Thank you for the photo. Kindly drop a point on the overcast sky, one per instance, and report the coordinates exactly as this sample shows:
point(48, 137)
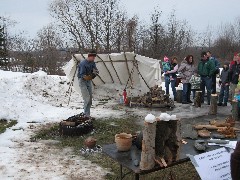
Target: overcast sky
point(32, 15)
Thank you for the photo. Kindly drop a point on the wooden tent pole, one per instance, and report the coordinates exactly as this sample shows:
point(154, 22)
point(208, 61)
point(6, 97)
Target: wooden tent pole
point(136, 65)
point(127, 66)
point(114, 69)
point(106, 67)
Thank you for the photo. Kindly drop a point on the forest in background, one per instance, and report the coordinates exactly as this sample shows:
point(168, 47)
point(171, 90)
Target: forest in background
point(105, 26)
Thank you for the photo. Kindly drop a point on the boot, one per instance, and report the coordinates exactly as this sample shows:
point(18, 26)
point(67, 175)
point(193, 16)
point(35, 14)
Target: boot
point(219, 104)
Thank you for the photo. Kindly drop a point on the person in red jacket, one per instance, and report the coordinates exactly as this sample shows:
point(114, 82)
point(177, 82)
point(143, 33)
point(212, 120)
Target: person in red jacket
point(235, 58)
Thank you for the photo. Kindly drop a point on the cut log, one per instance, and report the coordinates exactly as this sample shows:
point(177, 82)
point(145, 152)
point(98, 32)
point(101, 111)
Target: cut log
point(197, 100)
point(213, 104)
point(179, 96)
point(148, 146)
point(167, 140)
point(235, 110)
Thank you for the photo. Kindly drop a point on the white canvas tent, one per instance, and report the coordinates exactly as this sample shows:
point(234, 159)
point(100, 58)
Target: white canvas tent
point(117, 68)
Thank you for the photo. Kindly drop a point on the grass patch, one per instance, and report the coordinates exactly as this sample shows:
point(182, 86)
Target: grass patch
point(105, 130)
point(4, 124)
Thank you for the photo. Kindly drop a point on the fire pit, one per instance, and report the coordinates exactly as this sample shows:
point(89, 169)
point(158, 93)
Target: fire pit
point(77, 125)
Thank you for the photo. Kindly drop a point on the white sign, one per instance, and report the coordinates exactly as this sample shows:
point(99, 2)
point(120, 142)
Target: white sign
point(213, 165)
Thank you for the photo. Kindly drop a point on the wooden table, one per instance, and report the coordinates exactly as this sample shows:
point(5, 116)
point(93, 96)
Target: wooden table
point(126, 159)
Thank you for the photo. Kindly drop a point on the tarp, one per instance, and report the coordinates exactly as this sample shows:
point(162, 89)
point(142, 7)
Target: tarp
point(117, 68)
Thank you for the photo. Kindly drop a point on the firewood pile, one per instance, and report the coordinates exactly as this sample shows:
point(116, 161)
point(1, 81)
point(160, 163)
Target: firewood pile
point(224, 128)
point(156, 97)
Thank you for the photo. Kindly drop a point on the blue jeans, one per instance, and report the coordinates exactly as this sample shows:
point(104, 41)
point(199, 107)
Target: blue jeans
point(173, 83)
point(206, 82)
point(86, 90)
point(224, 93)
point(186, 92)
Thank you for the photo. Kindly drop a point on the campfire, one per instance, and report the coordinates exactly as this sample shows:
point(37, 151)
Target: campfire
point(77, 125)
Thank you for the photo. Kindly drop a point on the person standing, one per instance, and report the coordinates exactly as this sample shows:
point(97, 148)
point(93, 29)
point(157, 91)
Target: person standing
point(87, 71)
point(224, 82)
point(214, 76)
point(235, 58)
point(206, 69)
point(195, 82)
point(172, 73)
point(186, 70)
point(234, 76)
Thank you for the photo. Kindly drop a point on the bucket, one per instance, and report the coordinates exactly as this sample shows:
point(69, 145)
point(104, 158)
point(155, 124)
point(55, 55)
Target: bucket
point(123, 141)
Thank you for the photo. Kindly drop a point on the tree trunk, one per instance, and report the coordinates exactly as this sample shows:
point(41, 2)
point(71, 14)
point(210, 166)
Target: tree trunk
point(148, 146)
point(167, 140)
point(235, 110)
point(179, 95)
point(213, 105)
point(197, 100)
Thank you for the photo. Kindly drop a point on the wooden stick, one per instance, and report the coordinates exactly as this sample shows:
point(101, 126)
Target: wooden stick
point(127, 67)
point(114, 69)
point(213, 105)
point(106, 67)
point(115, 61)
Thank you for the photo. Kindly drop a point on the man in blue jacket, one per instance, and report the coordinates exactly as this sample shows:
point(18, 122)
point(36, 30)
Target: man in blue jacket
point(87, 71)
point(214, 76)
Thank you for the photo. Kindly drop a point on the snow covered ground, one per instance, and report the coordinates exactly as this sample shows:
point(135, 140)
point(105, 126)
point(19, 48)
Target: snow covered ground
point(41, 98)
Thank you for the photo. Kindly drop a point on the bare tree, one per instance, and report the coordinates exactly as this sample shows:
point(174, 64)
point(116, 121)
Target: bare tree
point(48, 44)
point(91, 23)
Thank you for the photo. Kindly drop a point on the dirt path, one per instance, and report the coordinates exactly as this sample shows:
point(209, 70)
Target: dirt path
point(43, 160)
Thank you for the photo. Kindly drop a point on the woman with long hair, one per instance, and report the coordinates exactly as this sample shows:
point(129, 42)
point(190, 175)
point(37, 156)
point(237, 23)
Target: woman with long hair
point(186, 70)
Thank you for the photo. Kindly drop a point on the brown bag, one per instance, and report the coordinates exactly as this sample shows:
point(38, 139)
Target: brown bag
point(87, 77)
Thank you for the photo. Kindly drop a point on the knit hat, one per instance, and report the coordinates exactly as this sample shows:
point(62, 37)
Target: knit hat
point(92, 53)
point(226, 63)
point(165, 59)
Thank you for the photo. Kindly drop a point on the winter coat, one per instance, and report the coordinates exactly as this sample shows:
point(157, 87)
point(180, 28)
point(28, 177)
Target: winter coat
point(206, 68)
point(195, 82)
point(186, 71)
point(216, 64)
point(234, 73)
point(225, 76)
point(166, 66)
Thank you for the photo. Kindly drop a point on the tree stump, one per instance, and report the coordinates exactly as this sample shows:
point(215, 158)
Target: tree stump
point(213, 104)
point(197, 99)
point(148, 146)
point(179, 96)
point(235, 110)
point(167, 140)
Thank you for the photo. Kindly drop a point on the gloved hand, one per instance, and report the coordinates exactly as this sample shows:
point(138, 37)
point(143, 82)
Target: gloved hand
point(94, 73)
